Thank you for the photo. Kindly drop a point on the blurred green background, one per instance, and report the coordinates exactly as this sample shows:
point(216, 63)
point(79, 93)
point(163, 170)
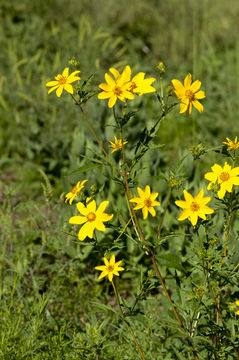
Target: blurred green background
point(46, 276)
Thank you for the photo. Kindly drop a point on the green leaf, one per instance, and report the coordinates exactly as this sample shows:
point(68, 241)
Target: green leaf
point(85, 169)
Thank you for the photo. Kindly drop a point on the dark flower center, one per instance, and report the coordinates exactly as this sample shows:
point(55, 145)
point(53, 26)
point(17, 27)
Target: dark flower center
point(62, 80)
point(189, 94)
point(110, 268)
point(132, 86)
point(194, 206)
point(148, 202)
point(91, 216)
point(224, 176)
point(117, 91)
point(74, 190)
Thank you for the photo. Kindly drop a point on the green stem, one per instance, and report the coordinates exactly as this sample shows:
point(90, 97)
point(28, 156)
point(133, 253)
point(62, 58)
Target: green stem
point(127, 323)
point(148, 251)
point(227, 237)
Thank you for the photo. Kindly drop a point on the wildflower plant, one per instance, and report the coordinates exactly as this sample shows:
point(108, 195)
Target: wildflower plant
point(196, 283)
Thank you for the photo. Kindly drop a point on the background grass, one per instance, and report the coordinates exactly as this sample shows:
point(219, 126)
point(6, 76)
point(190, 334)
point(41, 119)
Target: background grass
point(50, 296)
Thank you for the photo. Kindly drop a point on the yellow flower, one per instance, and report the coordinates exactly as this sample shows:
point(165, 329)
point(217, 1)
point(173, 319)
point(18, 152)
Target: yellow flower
point(63, 82)
point(237, 304)
point(194, 207)
point(110, 268)
point(75, 191)
point(92, 218)
point(115, 89)
point(138, 85)
point(117, 145)
point(189, 94)
point(146, 201)
point(226, 178)
point(231, 145)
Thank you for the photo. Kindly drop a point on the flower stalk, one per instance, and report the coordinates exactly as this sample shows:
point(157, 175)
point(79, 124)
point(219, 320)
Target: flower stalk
point(127, 323)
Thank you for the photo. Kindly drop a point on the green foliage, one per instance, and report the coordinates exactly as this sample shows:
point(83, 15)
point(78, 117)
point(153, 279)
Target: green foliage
point(52, 305)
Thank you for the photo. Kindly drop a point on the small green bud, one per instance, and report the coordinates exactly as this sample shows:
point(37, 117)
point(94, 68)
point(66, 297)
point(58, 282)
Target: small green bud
point(170, 91)
point(74, 62)
point(215, 187)
point(150, 273)
point(174, 182)
point(94, 189)
point(161, 67)
point(197, 151)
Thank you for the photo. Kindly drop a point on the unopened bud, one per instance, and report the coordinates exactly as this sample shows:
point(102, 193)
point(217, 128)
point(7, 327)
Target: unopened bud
point(74, 62)
point(161, 67)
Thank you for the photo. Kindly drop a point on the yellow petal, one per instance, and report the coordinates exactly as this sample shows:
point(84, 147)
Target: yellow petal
point(152, 211)
point(182, 204)
point(193, 218)
point(112, 260)
point(179, 88)
point(112, 101)
point(195, 86)
point(105, 87)
point(103, 274)
point(114, 72)
point(200, 95)
point(78, 220)
point(68, 88)
point(86, 230)
point(104, 95)
point(53, 88)
point(109, 80)
point(110, 276)
point(199, 196)
point(145, 212)
point(65, 72)
point(188, 81)
point(52, 83)
point(59, 90)
point(100, 267)
point(184, 214)
point(198, 105)
point(102, 207)
point(188, 197)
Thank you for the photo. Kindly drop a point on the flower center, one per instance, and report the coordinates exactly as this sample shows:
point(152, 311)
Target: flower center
point(110, 268)
point(148, 202)
point(224, 176)
point(132, 86)
point(117, 91)
point(74, 190)
point(62, 80)
point(194, 206)
point(189, 94)
point(91, 216)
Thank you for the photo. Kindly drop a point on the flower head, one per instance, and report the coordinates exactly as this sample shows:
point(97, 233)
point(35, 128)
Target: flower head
point(189, 94)
point(63, 82)
point(194, 207)
point(117, 145)
point(146, 201)
point(92, 218)
point(115, 89)
point(110, 268)
point(237, 304)
point(231, 145)
point(138, 84)
point(226, 178)
point(75, 191)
